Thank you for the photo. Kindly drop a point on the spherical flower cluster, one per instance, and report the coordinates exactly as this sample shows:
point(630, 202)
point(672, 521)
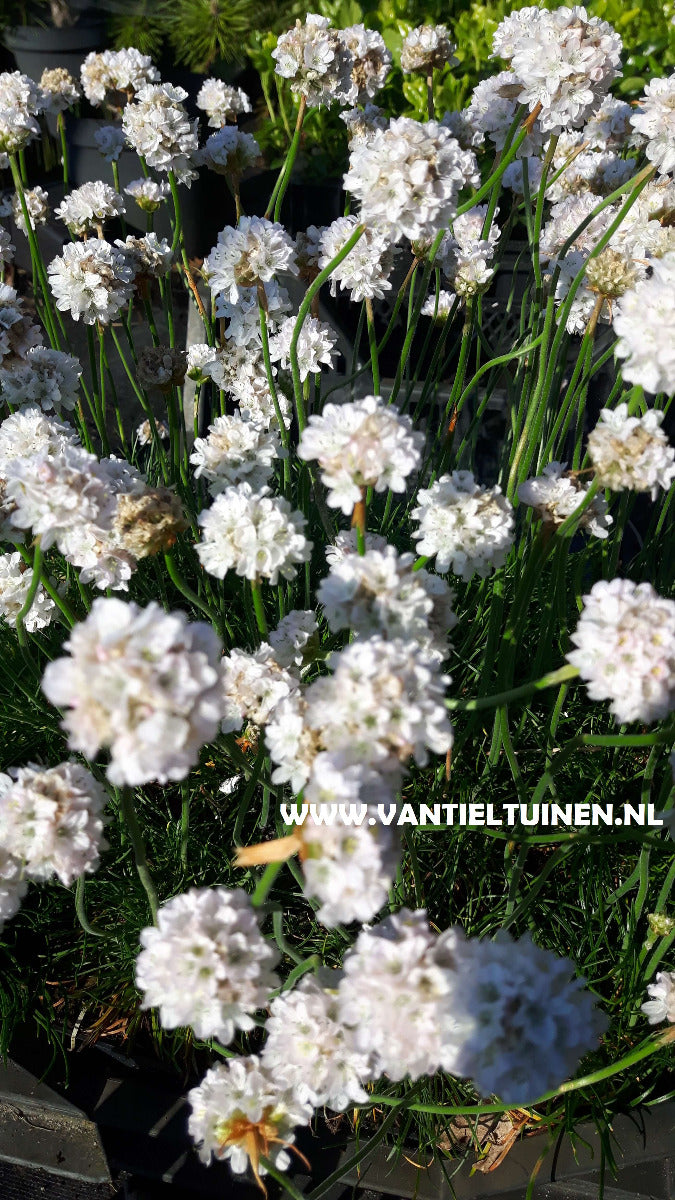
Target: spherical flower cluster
point(366, 269)
point(645, 324)
point(110, 142)
point(361, 122)
point(206, 964)
point(465, 254)
point(21, 101)
point(156, 125)
point(15, 581)
point(631, 452)
point(525, 1023)
point(221, 102)
point(655, 120)
point(294, 638)
point(46, 377)
point(256, 250)
point(243, 317)
point(37, 203)
point(115, 71)
point(147, 523)
point(317, 62)
point(149, 256)
point(235, 451)
point(661, 1003)
point(315, 1050)
point(348, 868)
point(315, 347)
point(564, 60)
point(243, 1111)
point(555, 495)
point(566, 217)
point(468, 528)
point(56, 493)
point(254, 533)
point(59, 90)
point(369, 63)
point(492, 110)
point(92, 280)
point(253, 685)
point(18, 334)
point(439, 306)
point(145, 683)
point(362, 444)
point(610, 126)
point(426, 48)
point(408, 177)
point(625, 653)
point(28, 431)
point(229, 152)
point(148, 193)
point(378, 592)
point(596, 171)
point(350, 734)
point(89, 207)
point(50, 820)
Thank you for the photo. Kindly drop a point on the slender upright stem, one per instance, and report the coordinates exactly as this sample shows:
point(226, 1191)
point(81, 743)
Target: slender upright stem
point(61, 126)
point(276, 199)
point(259, 608)
point(136, 838)
point(372, 341)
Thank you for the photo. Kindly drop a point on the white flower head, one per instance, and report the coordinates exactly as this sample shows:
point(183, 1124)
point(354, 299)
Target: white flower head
point(13, 885)
point(148, 193)
point(89, 207)
point(661, 1003)
point(254, 533)
point(370, 62)
point(315, 346)
point(366, 269)
point(631, 452)
point(157, 127)
point(145, 683)
point(315, 1050)
point(361, 122)
point(235, 451)
point(18, 334)
point(366, 443)
point(625, 649)
point(15, 581)
point(92, 280)
point(427, 48)
point(468, 528)
point(36, 200)
point(654, 119)
point(253, 685)
point(221, 102)
point(492, 110)
point(348, 868)
point(242, 1111)
point(294, 638)
point(257, 249)
point(439, 307)
point(229, 152)
point(110, 142)
point(112, 76)
point(59, 90)
point(556, 494)
point(149, 256)
point(408, 178)
point(206, 963)
point(21, 101)
point(51, 820)
point(645, 324)
point(46, 377)
point(316, 60)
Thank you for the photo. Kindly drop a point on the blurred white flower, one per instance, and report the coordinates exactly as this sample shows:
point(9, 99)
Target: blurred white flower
point(110, 142)
point(235, 451)
point(654, 119)
point(46, 377)
point(645, 324)
point(253, 685)
point(13, 886)
point(15, 581)
point(661, 1003)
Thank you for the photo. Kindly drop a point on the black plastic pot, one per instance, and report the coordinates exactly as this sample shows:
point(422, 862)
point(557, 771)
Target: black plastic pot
point(37, 47)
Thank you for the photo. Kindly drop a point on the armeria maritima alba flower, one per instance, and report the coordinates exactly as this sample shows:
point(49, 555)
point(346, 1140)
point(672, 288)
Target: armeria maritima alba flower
point(366, 269)
point(110, 142)
point(348, 868)
point(235, 451)
point(555, 495)
point(625, 649)
point(256, 250)
point(221, 102)
point(256, 534)
point(467, 527)
point(145, 683)
point(15, 581)
point(37, 203)
point(661, 1003)
point(253, 685)
point(206, 964)
point(92, 280)
point(113, 75)
point(631, 452)
point(426, 48)
point(89, 207)
point(366, 443)
point(654, 119)
point(317, 62)
point(51, 820)
point(157, 126)
point(315, 346)
point(13, 885)
point(644, 320)
point(46, 377)
point(21, 101)
point(148, 193)
point(59, 90)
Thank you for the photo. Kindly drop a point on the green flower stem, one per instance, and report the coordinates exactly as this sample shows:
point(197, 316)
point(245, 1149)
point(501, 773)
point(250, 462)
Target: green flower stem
point(265, 883)
point(30, 596)
point(520, 693)
point(271, 383)
point(79, 905)
point(284, 945)
point(372, 342)
point(156, 439)
point(61, 126)
point(303, 312)
point(95, 404)
point(36, 257)
point(284, 178)
point(185, 590)
point(414, 313)
point(281, 1178)
point(251, 785)
point(133, 829)
point(184, 825)
point(259, 608)
point(505, 161)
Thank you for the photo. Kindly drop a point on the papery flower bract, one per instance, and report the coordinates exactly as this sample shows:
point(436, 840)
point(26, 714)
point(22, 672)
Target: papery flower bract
point(92, 280)
point(645, 324)
point(631, 452)
point(15, 581)
point(51, 820)
point(145, 683)
point(256, 250)
point(254, 533)
point(235, 451)
point(157, 126)
point(661, 1003)
point(555, 495)
point(206, 963)
point(408, 177)
point(243, 1111)
point(221, 102)
point(625, 649)
point(313, 1048)
point(362, 444)
point(46, 377)
point(468, 528)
